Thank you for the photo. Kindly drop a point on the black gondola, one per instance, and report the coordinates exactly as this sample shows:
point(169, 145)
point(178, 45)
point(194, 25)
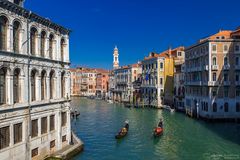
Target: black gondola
point(123, 132)
point(121, 135)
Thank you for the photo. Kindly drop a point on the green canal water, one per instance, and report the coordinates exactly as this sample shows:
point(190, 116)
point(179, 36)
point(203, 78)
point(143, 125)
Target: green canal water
point(183, 138)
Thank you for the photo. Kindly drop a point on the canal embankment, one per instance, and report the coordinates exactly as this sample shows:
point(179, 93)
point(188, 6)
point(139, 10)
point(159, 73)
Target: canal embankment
point(71, 150)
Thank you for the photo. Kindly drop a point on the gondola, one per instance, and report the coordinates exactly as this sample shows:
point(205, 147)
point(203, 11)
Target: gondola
point(121, 135)
point(158, 131)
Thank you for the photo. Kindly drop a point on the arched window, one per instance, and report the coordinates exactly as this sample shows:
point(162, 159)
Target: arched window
point(225, 107)
point(51, 38)
point(16, 86)
point(33, 39)
point(2, 86)
point(214, 61)
point(214, 107)
point(179, 91)
point(43, 40)
point(52, 75)
point(62, 49)
point(63, 84)
point(225, 61)
point(16, 36)
point(183, 91)
point(3, 33)
point(33, 85)
point(43, 85)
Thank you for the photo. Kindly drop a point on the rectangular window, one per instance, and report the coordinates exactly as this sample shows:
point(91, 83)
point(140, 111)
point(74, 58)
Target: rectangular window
point(161, 65)
point(214, 93)
point(225, 77)
point(237, 77)
point(237, 49)
point(214, 77)
point(52, 122)
point(34, 152)
point(180, 54)
point(214, 48)
point(237, 61)
point(64, 138)
point(43, 125)
point(17, 133)
point(161, 81)
point(64, 119)
point(226, 92)
point(237, 92)
point(225, 48)
point(237, 107)
point(4, 137)
point(34, 132)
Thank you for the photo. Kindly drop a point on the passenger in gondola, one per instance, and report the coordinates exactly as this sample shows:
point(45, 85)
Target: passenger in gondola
point(160, 124)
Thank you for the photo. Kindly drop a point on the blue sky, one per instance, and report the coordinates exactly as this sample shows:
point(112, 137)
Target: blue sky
point(137, 27)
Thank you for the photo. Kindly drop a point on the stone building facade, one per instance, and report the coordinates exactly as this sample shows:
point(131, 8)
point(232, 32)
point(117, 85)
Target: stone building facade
point(123, 82)
point(213, 76)
point(34, 84)
point(102, 81)
point(179, 75)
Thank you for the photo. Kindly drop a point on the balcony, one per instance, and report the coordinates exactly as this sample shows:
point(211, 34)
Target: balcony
point(214, 67)
point(213, 83)
point(227, 83)
point(237, 67)
point(226, 67)
point(205, 68)
point(194, 83)
point(237, 83)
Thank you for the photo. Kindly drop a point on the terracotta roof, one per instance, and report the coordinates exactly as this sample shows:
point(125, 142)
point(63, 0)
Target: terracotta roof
point(165, 53)
point(225, 33)
point(236, 32)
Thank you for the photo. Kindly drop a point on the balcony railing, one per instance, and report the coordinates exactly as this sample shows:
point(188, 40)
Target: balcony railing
point(237, 83)
point(226, 67)
point(227, 83)
point(213, 83)
point(214, 67)
point(205, 68)
point(237, 67)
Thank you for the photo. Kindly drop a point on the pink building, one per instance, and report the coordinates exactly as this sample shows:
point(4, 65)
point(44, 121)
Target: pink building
point(102, 81)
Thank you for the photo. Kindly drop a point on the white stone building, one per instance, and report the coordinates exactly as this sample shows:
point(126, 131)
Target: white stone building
point(34, 84)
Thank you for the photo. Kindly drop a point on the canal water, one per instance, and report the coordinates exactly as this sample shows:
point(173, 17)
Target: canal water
point(183, 138)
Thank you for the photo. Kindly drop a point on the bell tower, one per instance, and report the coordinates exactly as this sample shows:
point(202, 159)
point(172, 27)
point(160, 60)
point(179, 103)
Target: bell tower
point(115, 58)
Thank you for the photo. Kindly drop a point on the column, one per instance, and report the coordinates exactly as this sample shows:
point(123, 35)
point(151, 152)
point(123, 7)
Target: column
point(38, 88)
point(57, 89)
point(47, 87)
point(23, 89)
point(9, 89)
point(68, 125)
point(10, 38)
point(58, 129)
point(21, 42)
point(66, 56)
point(38, 45)
point(54, 50)
point(47, 47)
